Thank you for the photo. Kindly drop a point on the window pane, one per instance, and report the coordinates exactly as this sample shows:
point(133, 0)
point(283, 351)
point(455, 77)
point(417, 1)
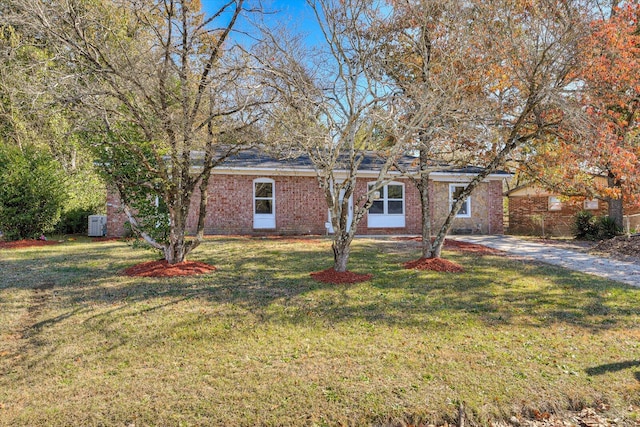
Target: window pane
point(377, 207)
point(394, 191)
point(264, 189)
point(395, 207)
point(263, 207)
point(464, 209)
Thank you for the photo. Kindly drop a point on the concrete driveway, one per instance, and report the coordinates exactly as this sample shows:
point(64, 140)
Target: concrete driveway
point(621, 271)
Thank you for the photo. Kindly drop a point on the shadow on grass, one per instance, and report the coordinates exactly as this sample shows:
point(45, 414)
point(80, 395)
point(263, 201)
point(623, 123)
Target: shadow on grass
point(614, 367)
point(270, 279)
point(69, 263)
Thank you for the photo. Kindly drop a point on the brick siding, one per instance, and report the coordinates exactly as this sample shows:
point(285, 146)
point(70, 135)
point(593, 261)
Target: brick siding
point(115, 217)
point(530, 215)
point(486, 208)
point(300, 207)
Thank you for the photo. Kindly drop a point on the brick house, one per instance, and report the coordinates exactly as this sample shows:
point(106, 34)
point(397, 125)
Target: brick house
point(254, 194)
point(540, 212)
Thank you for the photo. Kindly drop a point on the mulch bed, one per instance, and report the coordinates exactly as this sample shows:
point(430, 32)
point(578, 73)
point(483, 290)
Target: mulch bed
point(454, 245)
point(336, 278)
point(162, 268)
point(26, 243)
point(434, 264)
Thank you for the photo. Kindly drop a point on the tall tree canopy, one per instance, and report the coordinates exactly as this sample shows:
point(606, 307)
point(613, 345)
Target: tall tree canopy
point(164, 97)
point(482, 81)
point(608, 88)
point(31, 118)
point(331, 102)
point(612, 97)
point(427, 51)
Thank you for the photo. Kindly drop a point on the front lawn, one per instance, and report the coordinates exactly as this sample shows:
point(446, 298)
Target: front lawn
point(258, 342)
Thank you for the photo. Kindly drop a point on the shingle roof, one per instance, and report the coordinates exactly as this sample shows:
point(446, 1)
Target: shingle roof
point(255, 158)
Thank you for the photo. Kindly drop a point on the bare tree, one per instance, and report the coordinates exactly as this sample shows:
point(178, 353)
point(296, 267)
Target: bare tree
point(155, 82)
point(491, 80)
point(426, 50)
point(330, 106)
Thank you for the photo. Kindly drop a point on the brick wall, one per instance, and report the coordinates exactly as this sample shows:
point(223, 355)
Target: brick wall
point(115, 217)
point(486, 208)
point(301, 208)
point(530, 215)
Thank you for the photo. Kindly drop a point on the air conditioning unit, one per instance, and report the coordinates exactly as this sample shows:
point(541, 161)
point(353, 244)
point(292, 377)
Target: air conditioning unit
point(97, 225)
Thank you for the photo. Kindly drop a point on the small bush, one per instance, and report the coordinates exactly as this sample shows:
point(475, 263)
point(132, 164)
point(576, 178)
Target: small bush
point(608, 228)
point(32, 192)
point(586, 226)
point(75, 221)
point(590, 227)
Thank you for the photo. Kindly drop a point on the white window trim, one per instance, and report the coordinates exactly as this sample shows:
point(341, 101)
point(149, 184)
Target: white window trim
point(554, 203)
point(590, 208)
point(385, 219)
point(264, 221)
point(452, 189)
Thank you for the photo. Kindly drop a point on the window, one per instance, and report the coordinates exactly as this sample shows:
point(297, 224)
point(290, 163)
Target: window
point(387, 209)
point(454, 193)
point(554, 203)
point(591, 204)
point(264, 203)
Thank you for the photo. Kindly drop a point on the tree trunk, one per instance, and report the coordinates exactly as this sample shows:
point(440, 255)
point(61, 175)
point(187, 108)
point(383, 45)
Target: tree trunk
point(423, 187)
point(175, 251)
point(341, 248)
point(511, 144)
point(176, 248)
point(438, 243)
point(426, 220)
point(615, 208)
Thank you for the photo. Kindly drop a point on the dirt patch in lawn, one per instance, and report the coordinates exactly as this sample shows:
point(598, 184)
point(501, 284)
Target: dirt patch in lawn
point(434, 264)
point(17, 244)
point(340, 277)
point(106, 239)
point(162, 268)
point(455, 245)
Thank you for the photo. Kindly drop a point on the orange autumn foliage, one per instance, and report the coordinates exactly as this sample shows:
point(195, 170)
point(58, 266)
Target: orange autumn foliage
point(612, 98)
point(609, 91)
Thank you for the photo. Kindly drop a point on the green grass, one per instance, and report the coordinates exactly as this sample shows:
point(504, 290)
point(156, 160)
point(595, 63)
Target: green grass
point(259, 343)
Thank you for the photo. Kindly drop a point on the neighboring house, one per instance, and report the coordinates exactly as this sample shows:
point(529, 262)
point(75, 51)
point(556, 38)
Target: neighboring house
point(536, 211)
point(252, 193)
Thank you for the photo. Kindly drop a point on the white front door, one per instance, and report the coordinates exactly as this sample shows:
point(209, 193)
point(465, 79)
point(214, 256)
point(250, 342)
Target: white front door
point(264, 206)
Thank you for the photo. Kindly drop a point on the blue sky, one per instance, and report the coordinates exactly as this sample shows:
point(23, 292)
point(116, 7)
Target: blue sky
point(295, 14)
